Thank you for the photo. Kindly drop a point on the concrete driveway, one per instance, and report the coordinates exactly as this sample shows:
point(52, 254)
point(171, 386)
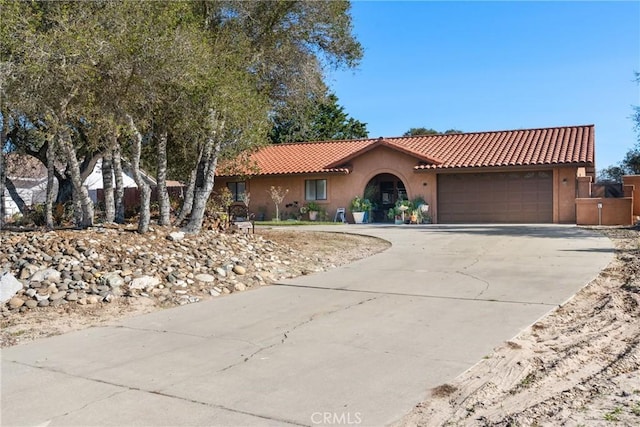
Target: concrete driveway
point(359, 345)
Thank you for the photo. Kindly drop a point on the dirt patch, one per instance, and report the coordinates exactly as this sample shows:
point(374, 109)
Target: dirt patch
point(580, 365)
point(295, 252)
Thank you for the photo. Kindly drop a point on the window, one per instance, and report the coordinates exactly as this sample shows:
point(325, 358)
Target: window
point(237, 190)
point(315, 189)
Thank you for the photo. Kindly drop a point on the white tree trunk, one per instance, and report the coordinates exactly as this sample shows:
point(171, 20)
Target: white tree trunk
point(107, 185)
point(3, 171)
point(116, 157)
point(81, 191)
point(77, 208)
point(51, 160)
point(187, 203)
point(145, 191)
point(161, 177)
point(206, 175)
point(3, 208)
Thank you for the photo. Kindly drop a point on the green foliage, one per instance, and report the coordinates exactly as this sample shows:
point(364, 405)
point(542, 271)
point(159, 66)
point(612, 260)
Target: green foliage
point(318, 120)
point(359, 204)
point(428, 131)
point(630, 164)
point(611, 174)
point(220, 201)
point(312, 206)
point(196, 72)
point(410, 207)
point(613, 415)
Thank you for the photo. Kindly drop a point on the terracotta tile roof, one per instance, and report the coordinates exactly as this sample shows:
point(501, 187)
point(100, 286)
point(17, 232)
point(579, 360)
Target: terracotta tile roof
point(308, 157)
point(523, 147)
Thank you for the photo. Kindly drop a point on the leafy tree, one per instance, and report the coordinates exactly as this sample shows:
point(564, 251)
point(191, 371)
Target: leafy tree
point(429, 131)
point(420, 131)
point(611, 174)
point(630, 164)
point(176, 86)
point(320, 120)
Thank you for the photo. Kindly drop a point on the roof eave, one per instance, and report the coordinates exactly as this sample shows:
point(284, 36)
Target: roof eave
point(430, 168)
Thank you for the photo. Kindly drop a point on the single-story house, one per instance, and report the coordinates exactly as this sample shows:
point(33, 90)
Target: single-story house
point(512, 176)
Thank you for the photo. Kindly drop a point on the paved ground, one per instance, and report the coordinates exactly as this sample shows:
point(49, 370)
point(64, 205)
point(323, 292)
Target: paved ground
point(359, 345)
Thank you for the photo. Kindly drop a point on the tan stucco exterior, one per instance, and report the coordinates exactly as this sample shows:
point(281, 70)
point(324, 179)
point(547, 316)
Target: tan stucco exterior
point(341, 188)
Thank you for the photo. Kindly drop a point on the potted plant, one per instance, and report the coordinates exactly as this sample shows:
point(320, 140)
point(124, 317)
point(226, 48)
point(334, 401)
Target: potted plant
point(400, 211)
point(394, 215)
point(358, 207)
point(313, 209)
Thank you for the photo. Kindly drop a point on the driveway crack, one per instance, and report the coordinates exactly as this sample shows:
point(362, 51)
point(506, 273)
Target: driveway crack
point(462, 272)
point(288, 332)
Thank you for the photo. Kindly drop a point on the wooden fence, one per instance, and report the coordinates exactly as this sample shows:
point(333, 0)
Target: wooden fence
point(131, 198)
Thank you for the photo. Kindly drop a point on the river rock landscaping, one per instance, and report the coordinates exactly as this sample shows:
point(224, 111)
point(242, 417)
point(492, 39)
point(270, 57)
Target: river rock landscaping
point(71, 273)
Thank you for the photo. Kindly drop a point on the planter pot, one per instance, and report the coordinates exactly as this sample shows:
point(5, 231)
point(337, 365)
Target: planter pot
point(358, 217)
point(313, 215)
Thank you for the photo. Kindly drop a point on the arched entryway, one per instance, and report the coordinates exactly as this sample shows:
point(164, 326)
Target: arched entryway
point(383, 190)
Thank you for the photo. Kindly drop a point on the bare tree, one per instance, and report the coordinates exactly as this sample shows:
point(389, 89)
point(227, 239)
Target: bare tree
point(277, 195)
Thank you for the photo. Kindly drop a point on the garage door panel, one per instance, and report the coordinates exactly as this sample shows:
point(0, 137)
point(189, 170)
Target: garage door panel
point(524, 197)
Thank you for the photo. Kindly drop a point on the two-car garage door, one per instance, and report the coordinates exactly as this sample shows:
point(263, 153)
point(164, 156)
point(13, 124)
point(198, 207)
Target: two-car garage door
point(510, 197)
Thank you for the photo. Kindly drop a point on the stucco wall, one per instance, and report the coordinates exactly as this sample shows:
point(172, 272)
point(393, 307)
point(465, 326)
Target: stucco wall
point(614, 211)
point(564, 193)
point(341, 188)
point(634, 180)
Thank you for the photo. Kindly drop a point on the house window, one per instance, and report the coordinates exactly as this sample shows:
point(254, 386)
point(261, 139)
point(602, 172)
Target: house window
point(315, 189)
point(237, 190)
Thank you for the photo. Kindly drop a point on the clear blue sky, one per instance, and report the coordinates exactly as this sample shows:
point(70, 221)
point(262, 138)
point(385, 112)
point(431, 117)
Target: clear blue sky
point(478, 66)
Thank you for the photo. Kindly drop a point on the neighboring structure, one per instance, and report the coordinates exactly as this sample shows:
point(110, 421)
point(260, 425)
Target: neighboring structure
point(516, 176)
point(94, 182)
point(29, 175)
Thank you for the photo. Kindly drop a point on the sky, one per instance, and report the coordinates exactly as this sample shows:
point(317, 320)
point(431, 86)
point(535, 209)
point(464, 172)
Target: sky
point(482, 66)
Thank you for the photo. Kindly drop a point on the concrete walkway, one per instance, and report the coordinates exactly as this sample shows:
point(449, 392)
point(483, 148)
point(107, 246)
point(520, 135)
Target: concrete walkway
point(358, 345)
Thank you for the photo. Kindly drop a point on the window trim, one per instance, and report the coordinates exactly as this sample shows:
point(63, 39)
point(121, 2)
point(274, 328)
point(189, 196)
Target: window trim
point(232, 186)
point(315, 184)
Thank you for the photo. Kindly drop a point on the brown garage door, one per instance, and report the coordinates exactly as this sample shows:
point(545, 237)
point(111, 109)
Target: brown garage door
point(513, 197)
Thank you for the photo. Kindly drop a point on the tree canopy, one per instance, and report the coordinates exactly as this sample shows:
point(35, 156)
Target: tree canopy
point(428, 131)
point(320, 119)
point(175, 86)
point(630, 164)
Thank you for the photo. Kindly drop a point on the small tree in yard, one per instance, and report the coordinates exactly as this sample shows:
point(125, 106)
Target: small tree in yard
point(277, 195)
